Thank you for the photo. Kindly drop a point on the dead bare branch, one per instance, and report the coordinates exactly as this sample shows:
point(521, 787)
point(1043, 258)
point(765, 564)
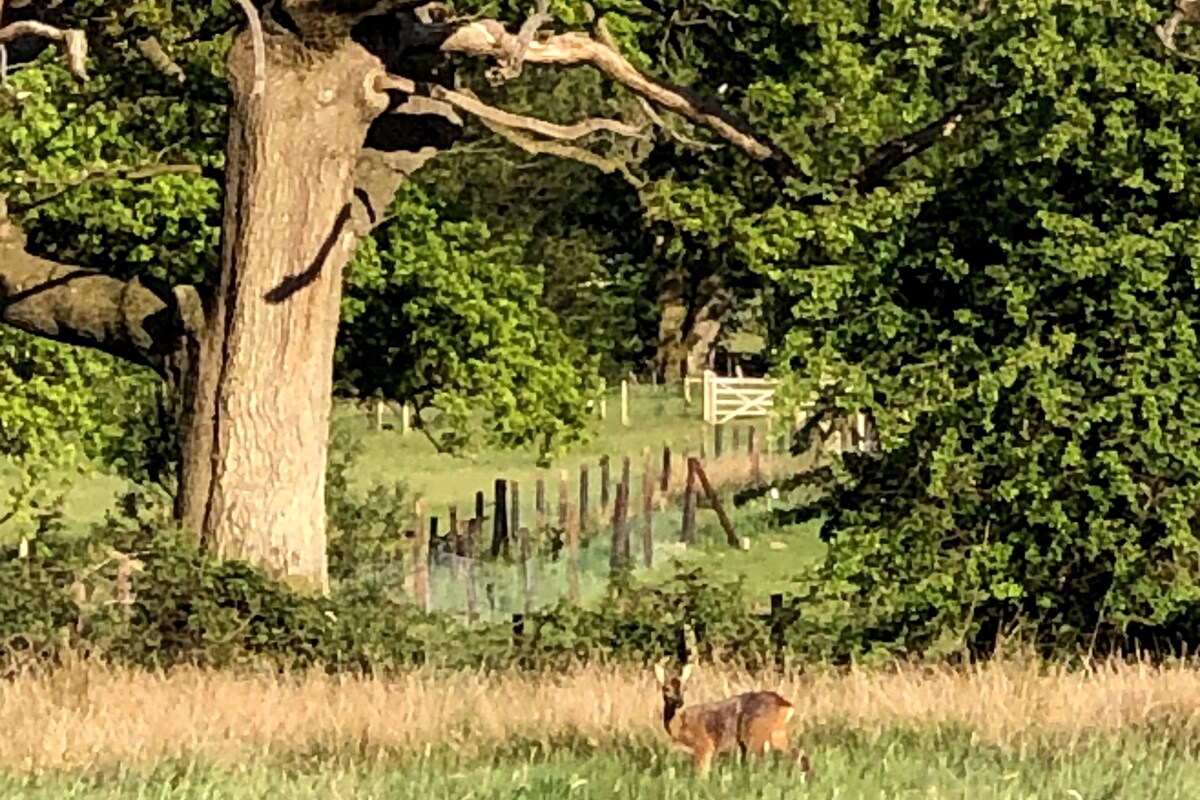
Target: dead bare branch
point(490, 39)
point(73, 39)
point(472, 105)
point(561, 150)
point(1187, 12)
point(154, 52)
point(260, 50)
point(510, 67)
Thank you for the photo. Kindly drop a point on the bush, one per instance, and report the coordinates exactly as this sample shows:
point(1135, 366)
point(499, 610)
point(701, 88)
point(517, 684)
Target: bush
point(190, 609)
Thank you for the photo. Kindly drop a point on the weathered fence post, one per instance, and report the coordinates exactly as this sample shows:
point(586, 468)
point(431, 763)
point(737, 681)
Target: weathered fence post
point(665, 479)
point(618, 558)
point(626, 476)
point(420, 556)
point(688, 534)
point(737, 438)
point(539, 506)
point(573, 554)
point(514, 508)
point(456, 542)
point(776, 624)
point(718, 440)
point(500, 518)
point(756, 475)
point(715, 500)
point(648, 511)
point(564, 496)
point(605, 486)
point(527, 569)
point(474, 526)
point(584, 493)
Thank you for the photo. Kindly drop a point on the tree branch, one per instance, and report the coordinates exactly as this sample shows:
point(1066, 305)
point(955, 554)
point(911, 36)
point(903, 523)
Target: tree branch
point(510, 67)
point(561, 150)
point(490, 39)
point(473, 105)
point(84, 307)
point(116, 173)
point(73, 39)
point(1187, 12)
point(260, 50)
point(887, 157)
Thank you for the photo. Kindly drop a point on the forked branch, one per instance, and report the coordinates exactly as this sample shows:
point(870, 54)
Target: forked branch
point(475, 106)
point(490, 39)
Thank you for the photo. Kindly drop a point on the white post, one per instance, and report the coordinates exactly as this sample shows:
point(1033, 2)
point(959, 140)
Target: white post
point(625, 403)
point(709, 395)
point(687, 390)
point(405, 418)
point(603, 399)
point(379, 414)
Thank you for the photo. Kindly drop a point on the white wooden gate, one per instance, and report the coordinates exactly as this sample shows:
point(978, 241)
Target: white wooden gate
point(727, 399)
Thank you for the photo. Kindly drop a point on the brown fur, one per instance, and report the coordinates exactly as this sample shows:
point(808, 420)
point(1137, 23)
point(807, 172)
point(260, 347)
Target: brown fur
point(753, 723)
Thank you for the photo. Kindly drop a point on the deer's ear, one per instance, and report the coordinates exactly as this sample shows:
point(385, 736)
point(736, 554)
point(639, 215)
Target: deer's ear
point(685, 672)
point(660, 673)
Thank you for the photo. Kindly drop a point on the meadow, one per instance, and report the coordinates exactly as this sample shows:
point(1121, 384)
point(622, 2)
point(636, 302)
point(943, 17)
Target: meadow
point(1009, 730)
point(1014, 729)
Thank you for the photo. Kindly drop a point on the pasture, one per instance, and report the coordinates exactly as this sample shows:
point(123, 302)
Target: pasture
point(1008, 731)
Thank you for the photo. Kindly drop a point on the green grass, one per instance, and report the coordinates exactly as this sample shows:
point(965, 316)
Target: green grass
point(902, 763)
point(658, 416)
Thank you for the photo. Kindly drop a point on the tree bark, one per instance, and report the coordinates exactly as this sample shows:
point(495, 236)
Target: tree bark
point(689, 325)
point(255, 445)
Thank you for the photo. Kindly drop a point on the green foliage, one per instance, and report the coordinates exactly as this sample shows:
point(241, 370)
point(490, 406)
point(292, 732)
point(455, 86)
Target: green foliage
point(448, 316)
point(1024, 337)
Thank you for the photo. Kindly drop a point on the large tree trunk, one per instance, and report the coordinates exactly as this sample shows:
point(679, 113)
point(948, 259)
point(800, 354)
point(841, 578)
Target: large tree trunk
point(260, 388)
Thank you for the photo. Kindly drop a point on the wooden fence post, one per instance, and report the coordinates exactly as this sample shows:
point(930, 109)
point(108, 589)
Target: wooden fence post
point(527, 569)
point(500, 518)
point(618, 560)
point(665, 479)
point(584, 492)
point(603, 399)
point(756, 474)
point(539, 506)
point(776, 627)
point(573, 554)
point(379, 414)
point(514, 508)
point(420, 557)
point(648, 511)
point(688, 534)
point(456, 543)
point(625, 403)
point(474, 527)
point(564, 496)
point(405, 418)
point(718, 440)
point(626, 475)
point(737, 438)
point(715, 500)
point(605, 486)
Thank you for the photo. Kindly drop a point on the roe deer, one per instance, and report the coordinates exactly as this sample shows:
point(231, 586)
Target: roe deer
point(753, 723)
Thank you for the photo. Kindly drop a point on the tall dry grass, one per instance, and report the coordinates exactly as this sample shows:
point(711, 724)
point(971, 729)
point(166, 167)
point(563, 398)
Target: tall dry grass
point(92, 716)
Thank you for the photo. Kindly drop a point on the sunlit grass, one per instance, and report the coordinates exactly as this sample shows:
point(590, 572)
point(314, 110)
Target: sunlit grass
point(1010, 730)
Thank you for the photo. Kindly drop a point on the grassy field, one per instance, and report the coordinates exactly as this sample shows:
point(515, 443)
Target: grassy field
point(658, 416)
point(1006, 731)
